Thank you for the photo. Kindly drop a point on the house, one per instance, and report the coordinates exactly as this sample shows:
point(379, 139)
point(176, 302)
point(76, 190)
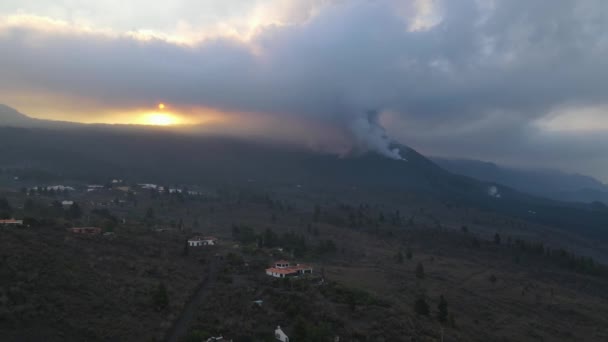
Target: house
point(218, 339)
point(11, 223)
point(198, 241)
point(280, 335)
point(94, 187)
point(283, 269)
point(66, 204)
point(85, 230)
point(60, 188)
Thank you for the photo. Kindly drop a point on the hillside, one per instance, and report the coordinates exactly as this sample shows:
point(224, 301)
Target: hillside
point(546, 183)
point(365, 284)
point(97, 154)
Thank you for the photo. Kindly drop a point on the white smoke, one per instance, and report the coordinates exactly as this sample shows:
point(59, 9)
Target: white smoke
point(371, 136)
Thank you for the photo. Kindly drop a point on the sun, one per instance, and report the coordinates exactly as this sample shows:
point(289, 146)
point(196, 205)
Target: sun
point(160, 119)
point(161, 106)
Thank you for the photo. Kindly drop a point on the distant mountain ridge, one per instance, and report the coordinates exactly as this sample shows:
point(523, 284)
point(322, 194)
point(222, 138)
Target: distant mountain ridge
point(542, 182)
point(97, 152)
point(11, 117)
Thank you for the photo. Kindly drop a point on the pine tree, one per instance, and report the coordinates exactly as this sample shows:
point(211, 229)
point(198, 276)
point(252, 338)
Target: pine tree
point(317, 213)
point(186, 249)
point(399, 257)
point(421, 307)
point(75, 212)
point(161, 297)
point(149, 214)
point(420, 271)
point(442, 316)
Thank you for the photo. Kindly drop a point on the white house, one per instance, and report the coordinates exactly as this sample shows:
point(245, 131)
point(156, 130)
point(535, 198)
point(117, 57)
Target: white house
point(149, 186)
point(94, 187)
point(283, 269)
point(280, 335)
point(218, 339)
point(67, 203)
point(198, 241)
point(11, 223)
point(60, 188)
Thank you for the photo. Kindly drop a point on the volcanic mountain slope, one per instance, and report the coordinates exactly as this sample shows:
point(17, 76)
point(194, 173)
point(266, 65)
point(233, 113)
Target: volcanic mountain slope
point(542, 182)
point(98, 153)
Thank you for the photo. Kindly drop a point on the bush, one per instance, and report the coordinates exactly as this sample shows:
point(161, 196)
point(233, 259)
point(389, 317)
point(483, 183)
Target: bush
point(421, 307)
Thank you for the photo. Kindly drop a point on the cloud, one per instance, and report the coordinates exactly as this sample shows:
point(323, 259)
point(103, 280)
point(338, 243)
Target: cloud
point(466, 78)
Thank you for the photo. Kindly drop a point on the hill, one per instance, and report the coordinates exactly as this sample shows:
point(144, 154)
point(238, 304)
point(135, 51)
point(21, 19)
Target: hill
point(97, 154)
point(57, 286)
point(541, 182)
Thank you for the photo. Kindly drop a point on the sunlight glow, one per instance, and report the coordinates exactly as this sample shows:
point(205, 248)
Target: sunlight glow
point(159, 119)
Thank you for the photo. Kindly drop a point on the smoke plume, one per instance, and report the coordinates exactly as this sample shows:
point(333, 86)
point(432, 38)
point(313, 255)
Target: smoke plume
point(369, 135)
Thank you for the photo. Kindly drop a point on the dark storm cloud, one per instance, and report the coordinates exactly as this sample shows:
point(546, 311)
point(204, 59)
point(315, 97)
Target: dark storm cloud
point(475, 82)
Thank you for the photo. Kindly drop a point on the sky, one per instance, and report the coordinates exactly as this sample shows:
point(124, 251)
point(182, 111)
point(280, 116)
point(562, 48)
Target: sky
point(519, 82)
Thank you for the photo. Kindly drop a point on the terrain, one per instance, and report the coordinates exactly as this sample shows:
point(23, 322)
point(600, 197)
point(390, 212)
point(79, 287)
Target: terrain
point(402, 250)
point(525, 286)
point(541, 182)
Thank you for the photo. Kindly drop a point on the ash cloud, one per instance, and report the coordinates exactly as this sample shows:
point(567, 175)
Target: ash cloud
point(471, 83)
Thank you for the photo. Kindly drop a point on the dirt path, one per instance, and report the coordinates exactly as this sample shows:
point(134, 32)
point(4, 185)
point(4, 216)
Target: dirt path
point(180, 328)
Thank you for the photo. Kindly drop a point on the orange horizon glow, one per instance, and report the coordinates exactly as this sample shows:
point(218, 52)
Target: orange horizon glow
point(159, 119)
point(69, 109)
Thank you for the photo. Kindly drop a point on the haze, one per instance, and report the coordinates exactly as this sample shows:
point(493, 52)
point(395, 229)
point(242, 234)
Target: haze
point(518, 82)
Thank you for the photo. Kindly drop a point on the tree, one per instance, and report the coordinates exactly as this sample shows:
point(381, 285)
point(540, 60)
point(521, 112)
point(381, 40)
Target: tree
point(409, 254)
point(327, 247)
point(420, 271)
point(399, 257)
point(317, 213)
point(5, 208)
point(497, 239)
point(186, 249)
point(271, 239)
point(421, 307)
point(442, 316)
point(464, 229)
point(75, 212)
point(29, 205)
point(149, 214)
point(160, 297)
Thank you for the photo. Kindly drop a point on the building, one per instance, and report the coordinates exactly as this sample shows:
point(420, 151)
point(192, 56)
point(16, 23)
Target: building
point(67, 203)
point(198, 241)
point(11, 223)
point(86, 230)
point(283, 269)
point(280, 335)
point(148, 186)
point(60, 188)
point(94, 187)
point(218, 339)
